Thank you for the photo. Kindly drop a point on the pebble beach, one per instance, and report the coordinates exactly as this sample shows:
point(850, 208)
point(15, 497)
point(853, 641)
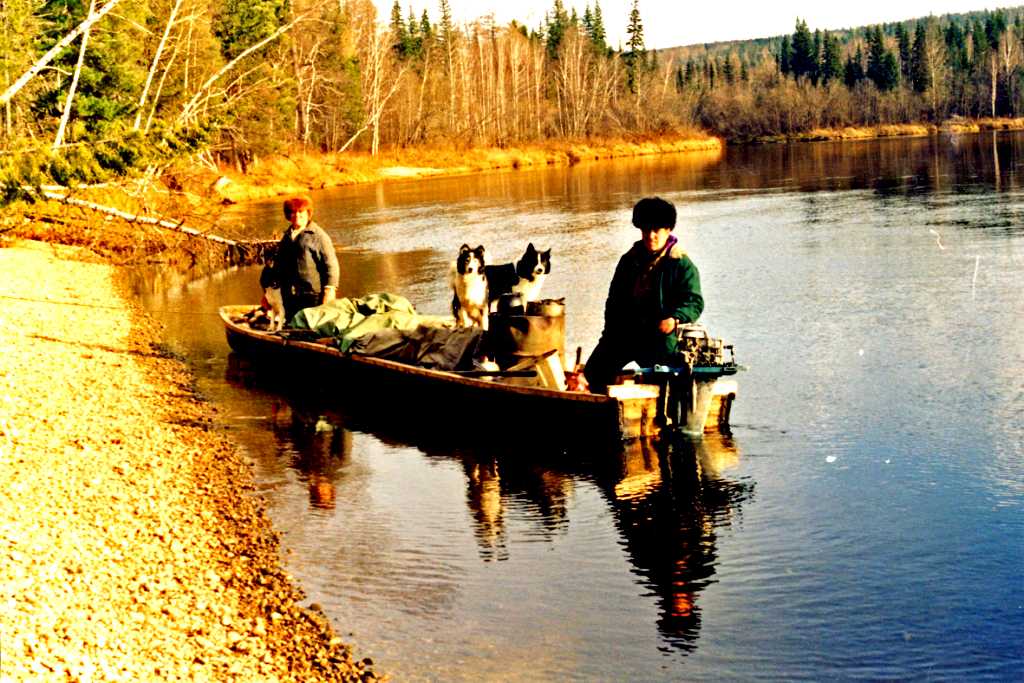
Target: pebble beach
point(133, 544)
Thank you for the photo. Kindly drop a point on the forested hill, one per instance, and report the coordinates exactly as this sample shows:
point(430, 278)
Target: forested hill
point(919, 70)
point(752, 48)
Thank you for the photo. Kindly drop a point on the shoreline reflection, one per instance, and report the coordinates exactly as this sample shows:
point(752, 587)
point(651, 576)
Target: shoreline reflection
point(668, 499)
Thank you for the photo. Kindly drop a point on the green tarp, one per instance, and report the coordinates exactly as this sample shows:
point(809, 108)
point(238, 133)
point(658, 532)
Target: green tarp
point(386, 325)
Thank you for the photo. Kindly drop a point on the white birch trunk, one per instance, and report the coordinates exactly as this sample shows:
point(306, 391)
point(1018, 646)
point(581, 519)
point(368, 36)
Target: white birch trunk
point(156, 62)
point(58, 140)
point(53, 51)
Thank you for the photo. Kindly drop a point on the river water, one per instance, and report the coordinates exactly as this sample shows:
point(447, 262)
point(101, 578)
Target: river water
point(864, 520)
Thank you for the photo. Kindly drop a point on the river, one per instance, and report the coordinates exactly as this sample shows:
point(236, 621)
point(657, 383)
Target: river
point(864, 520)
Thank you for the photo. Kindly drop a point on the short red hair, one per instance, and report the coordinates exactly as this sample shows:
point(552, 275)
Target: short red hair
point(295, 204)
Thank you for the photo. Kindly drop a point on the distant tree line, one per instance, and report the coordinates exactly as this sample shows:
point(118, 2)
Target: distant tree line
point(928, 69)
point(88, 91)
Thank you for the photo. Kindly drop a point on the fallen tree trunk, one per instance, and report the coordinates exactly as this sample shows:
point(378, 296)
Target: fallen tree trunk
point(238, 251)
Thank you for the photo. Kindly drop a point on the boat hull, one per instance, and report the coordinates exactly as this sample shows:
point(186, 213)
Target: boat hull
point(449, 399)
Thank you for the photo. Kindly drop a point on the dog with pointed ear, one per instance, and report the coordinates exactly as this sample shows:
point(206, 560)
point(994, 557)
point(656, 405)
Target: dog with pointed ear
point(524, 277)
point(469, 287)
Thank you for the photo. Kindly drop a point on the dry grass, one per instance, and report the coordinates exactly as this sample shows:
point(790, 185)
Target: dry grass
point(899, 130)
point(979, 125)
point(302, 171)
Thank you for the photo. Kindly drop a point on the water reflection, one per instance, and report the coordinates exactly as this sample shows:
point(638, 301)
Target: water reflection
point(670, 499)
point(316, 445)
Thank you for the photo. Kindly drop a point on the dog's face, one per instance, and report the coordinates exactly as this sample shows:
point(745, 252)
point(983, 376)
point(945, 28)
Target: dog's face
point(470, 261)
point(533, 263)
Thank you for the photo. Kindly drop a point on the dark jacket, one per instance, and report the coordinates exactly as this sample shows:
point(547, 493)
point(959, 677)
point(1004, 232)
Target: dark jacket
point(647, 289)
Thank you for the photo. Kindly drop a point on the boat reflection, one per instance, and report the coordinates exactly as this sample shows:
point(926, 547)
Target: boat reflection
point(669, 499)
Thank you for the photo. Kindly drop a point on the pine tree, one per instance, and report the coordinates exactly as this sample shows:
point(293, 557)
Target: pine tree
point(816, 57)
point(414, 46)
point(906, 57)
point(426, 30)
point(398, 30)
point(241, 23)
point(804, 59)
point(558, 24)
point(853, 73)
point(635, 58)
point(920, 76)
point(785, 58)
point(597, 32)
point(831, 62)
point(112, 72)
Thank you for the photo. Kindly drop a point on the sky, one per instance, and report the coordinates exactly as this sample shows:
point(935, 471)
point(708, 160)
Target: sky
point(668, 23)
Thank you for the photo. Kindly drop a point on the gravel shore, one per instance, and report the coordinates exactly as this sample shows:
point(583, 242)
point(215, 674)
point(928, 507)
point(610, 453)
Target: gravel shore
point(133, 545)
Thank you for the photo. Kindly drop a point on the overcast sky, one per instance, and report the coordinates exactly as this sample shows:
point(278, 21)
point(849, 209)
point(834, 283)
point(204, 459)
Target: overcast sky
point(668, 23)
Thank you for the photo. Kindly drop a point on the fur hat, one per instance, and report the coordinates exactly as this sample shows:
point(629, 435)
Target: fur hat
point(654, 213)
point(296, 204)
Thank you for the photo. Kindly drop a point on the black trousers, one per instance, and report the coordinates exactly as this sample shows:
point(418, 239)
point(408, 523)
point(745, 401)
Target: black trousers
point(295, 303)
point(609, 357)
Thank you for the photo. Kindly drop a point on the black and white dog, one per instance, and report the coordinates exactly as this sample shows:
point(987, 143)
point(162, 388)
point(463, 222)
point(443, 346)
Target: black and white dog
point(273, 302)
point(524, 277)
point(469, 302)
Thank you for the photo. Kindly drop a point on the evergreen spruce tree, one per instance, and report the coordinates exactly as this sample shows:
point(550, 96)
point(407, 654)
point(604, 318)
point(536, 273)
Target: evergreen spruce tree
point(906, 57)
point(920, 76)
point(785, 58)
point(414, 44)
point(112, 73)
point(803, 59)
point(980, 42)
point(597, 32)
point(831, 62)
point(558, 24)
point(956, 48)
point(426, 30)
point(241, 23)
point(635, 58)
point(876, 52)
point(446, 29)
point(853, 73)
point(816, 57)
point(727, 70)
point(398, 30)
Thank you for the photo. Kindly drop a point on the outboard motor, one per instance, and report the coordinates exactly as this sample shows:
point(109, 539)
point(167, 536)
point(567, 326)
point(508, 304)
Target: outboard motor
point(687, 386)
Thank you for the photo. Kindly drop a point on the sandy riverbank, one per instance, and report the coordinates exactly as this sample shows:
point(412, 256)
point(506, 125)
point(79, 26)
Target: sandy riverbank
point(133, 547)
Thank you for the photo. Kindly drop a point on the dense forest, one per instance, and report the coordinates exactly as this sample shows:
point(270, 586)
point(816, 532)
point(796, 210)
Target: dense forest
point(93, 87)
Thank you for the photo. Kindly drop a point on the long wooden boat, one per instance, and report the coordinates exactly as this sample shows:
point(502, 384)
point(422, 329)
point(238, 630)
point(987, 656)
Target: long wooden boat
point(629, 411)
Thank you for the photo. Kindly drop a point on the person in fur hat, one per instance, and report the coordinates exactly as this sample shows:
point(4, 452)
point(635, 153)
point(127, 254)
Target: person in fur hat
point(305, 265)
point(655, 288)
